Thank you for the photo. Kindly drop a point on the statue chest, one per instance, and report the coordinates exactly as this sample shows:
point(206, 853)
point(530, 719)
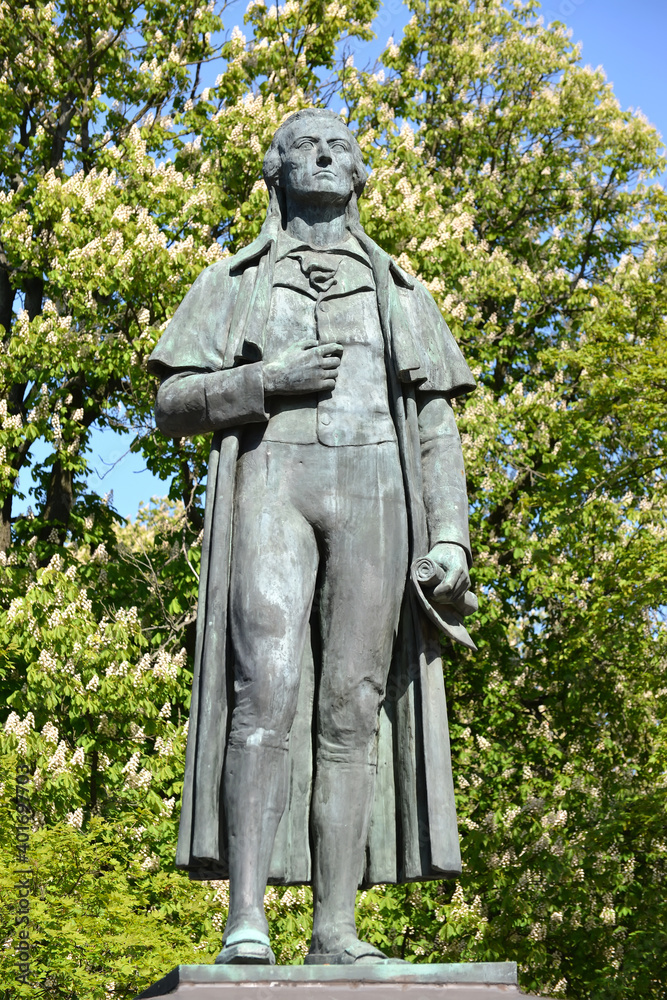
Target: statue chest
point(344, 311)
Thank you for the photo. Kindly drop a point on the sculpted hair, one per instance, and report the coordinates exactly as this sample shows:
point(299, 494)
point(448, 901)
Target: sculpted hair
point(275, 154)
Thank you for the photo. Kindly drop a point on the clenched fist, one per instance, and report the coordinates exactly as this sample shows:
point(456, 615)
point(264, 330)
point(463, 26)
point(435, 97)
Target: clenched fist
point(456, 581)
point(306, 366)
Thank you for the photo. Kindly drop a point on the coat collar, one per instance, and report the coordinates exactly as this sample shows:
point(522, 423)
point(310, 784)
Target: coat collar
point(252, 253)
point(269, 234)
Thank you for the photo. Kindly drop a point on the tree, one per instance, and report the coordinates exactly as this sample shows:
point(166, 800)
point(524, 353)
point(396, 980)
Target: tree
point(503, 173)
point(110, 208)
point(538, 233)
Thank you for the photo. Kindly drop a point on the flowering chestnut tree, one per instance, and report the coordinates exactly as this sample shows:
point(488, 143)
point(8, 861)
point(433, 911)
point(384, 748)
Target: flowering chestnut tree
point(504, 174)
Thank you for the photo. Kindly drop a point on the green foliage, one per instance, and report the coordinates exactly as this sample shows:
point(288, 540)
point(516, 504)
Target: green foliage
point(504, 174)
point(102, 925)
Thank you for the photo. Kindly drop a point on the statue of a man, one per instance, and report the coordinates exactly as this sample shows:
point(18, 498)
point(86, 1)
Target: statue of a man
point(318, 745)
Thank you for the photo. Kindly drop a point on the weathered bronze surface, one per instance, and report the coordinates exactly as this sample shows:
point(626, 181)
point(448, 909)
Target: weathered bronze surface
point(318, 747)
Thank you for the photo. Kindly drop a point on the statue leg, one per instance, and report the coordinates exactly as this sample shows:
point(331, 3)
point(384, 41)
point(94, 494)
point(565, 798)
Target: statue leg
point(362, 589)
point(274, 567)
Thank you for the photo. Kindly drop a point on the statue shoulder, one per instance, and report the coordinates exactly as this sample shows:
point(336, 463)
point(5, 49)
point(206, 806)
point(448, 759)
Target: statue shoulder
point(199, 332)
point(445, 367)
point(412, 289)
point(416, 297)
point(196, 335)
point(213, 275)
point(223, 273)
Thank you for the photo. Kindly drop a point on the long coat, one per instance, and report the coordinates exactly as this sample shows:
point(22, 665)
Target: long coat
point(413, 833)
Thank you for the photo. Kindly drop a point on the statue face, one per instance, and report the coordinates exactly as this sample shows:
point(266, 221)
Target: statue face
point(318, 164)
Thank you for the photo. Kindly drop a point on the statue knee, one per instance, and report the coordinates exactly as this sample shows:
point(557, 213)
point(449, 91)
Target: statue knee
point(260, 719)
point(348, 722)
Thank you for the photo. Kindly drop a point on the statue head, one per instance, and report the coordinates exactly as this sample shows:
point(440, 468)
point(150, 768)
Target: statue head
point(315, 158)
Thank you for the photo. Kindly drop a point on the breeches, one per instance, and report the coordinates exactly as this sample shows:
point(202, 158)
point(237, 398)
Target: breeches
point(312, 519)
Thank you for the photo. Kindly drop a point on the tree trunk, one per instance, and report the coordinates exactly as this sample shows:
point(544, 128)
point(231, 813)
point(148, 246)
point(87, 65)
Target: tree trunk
point(60, 495)
point(6, 524)
point(7, 294)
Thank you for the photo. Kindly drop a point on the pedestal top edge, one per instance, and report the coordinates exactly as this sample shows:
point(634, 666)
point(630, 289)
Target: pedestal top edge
point(492, 973)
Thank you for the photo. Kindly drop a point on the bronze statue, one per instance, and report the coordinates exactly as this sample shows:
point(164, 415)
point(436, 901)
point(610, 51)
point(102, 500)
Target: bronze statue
point(318, 747)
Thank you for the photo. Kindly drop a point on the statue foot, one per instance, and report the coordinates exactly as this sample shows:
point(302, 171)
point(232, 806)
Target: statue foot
point(357, 953)
point(246, 947)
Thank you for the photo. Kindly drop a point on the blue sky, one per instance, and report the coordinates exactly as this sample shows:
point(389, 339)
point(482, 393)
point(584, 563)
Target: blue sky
point(626, 37)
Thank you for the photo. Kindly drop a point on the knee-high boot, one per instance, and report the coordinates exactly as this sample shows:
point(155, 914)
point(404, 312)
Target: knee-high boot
point(341, 808)
point(255, 796)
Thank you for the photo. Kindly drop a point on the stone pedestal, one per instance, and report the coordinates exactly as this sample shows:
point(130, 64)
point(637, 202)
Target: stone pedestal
point(467, 981)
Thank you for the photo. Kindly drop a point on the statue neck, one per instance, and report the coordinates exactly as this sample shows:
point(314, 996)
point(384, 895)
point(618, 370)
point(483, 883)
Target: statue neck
point(320, 226)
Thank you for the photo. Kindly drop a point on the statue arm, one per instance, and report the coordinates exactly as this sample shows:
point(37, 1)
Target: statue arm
point(194, 402)
point(443, 473)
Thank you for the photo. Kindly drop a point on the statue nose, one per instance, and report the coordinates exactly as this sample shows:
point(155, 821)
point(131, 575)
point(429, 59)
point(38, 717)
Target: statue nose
point(323, 155)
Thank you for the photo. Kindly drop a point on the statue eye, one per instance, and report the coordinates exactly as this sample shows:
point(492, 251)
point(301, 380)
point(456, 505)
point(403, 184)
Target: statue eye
point(305, 144)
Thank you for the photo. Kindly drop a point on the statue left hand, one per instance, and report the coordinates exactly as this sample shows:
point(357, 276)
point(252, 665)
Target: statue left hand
point(453, 560)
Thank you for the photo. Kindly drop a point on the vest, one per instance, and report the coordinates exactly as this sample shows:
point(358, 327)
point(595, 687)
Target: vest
point(329, 296)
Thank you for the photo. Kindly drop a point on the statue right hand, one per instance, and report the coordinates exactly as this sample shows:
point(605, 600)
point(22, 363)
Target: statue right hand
point(306, 366)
